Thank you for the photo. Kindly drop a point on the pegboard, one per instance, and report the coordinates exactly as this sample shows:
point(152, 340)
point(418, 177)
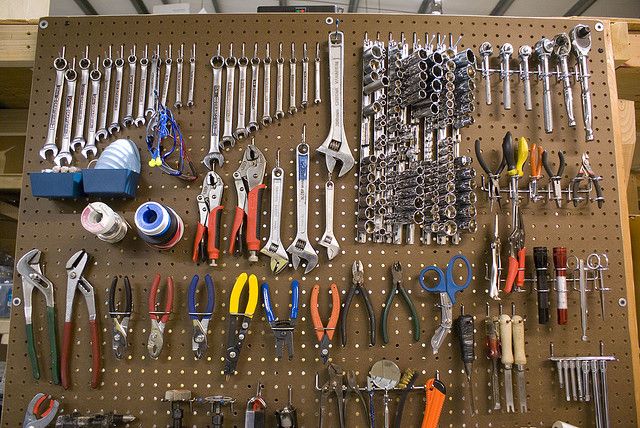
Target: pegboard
point(136, 384)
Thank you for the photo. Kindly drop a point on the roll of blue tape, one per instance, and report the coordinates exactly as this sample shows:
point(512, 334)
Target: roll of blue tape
point(152, 219)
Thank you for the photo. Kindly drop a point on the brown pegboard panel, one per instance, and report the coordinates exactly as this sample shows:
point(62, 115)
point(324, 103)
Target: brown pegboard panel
point(135, 385)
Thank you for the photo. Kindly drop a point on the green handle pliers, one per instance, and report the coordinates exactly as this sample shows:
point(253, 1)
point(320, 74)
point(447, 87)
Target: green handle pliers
point(397, 288)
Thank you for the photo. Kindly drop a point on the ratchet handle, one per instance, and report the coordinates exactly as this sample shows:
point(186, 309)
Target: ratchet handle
point(465, 327)
point(213, 230)
point(254, 217)
point(540, 260)
point(436, 394)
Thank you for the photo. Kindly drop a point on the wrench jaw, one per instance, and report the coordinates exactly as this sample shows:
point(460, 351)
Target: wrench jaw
point(212, 159)
point(241, 133)
point(89, 149)
point(139, 121)
point(102, 133)
point(49, 148)
point(277, 254)
point(331, 244)
point(128, 121)
point(337, 151)
point(301, 249)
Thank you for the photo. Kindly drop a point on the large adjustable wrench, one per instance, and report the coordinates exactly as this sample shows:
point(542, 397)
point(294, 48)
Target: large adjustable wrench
point(168, 62)
point(241, 125)
point(70, 77)
point(274, 248)
point(117, 93)
point(301, 248)
point(335, 147)
point(328, 239)
point(95, 77)
point(132, 59)
point(230, 67)
point(142, 88)
point(59, 64)
point(107, 64)
point(544, 48)
point(581, 41)
point(214, 156)
point(562, 50)
point(253, 97)
point(78, 136)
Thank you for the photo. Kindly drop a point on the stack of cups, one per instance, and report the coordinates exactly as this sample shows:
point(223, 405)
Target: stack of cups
point(99, 219)
point(158, 225)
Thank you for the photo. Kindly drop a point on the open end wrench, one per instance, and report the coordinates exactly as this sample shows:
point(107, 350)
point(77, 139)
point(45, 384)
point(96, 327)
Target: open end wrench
point(142, 88)
point(305, 77)
point(293, 108)
point(214, 156)
point(168, 63)
point(117, 93)
point(543, 49)
point(78, 137)
point(301, 248)
point(335, 147)
point(230, 66)
point(506, 50)
point(266, 89)
point(59, 64)
point(132, 59)
point(316, 70)
point(179, 65)
point(192, 75)
point(274, 248)
point(253, 98)
point(581, 41)
point(329, 240)
point(153, 82)
point(562, 49)
point(107, 65)
point(95, 76)
point(70, 77)
point(525, 53)
point(486, 50)
point(241, 131)
point(279, 83)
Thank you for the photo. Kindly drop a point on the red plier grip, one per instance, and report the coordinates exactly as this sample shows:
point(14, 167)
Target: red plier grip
point(168, 299)
point(213, 231)
point(236, 232)
point(197, 242)
point(95, 354)
point(66, 351)
point(254, 217)
point(512, 273)
point(521, 259)
point(67, 337)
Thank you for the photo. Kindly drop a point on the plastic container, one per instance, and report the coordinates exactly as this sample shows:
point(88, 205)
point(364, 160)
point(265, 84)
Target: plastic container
point(56, 185)
point(121, 183)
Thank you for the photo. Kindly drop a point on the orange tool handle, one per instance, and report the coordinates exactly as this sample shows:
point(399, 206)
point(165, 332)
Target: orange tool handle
point(333, 318)
point(521, 258)
point(254, 217)
point(512, 273)
point(236, 232)
point(536, 161)
point(67, 335)
point(315, 315)
point(436, 394)
point(213, 228)
point(95, 354)
point(196, 242)
point(335, 311)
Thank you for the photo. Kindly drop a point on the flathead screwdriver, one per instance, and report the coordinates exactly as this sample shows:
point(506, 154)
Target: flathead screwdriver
point(506, 334)
point(493, 353)
point(464, 330)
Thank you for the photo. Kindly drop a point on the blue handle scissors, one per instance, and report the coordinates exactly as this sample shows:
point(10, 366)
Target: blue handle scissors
point(446, 282)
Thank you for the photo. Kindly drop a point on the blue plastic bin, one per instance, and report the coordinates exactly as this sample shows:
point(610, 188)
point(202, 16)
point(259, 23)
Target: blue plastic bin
point(116, 183)
point(56, 185)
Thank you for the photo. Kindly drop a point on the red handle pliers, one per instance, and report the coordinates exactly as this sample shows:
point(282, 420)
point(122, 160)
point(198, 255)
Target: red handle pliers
point(206, 244)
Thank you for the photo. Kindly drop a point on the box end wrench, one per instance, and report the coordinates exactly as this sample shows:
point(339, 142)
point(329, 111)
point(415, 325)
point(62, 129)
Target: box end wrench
point(335, 147)
point(305, 77)
point(60, 65)
point(142, 89)
point(274, 248)
point(328, 239)
point(241, 131)
point(132, 60)
point(214, 156)
point(78, 137)
point(107, 65)
point(179, 66)
point(279, 84)
point(192, 75)
point(168, 64)
point(117, 94)
point(230, 67)
point(581, 41)
point(253, 97)
point(70, 77)
point(293, 108)
point(95, 76)
point(266, 89)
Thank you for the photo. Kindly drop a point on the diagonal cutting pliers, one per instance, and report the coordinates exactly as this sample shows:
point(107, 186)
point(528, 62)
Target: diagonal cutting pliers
point(120, 325)
point(158, 319)
point(206, 244)
point(282, 328)
point(201, 319)
point(239, 321)
point(357, 287)
point(325, 333)
point(398, 288)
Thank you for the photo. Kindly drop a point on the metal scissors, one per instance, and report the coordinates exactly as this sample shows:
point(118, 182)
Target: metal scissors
point(447, 287)
point(599, 263)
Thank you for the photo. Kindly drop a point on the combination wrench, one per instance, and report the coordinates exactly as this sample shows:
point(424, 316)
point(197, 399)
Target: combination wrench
point(316, 70)
point(253, 97)
point(117, 93)
point(292, 80)
point(179, 64)
point(241, 125)
point(335, 147)
point(562, 49)
point(301, 248)
point(142, 89)
point(581, 41)
point(192, 75)
point(266, 90)
point(506, 50)
point(328, 239)
point(274, 248)
point(525, 53)
point(70, 77)
point(132, 59)
point(230, 67)
point(305, 77)
point(279, 84)
point(78, 137)
point(95, 77)
point(544, 48)
point(107, 65)
point(168, 62)
point(214, 156)
point(60, 65)
point(153, 82)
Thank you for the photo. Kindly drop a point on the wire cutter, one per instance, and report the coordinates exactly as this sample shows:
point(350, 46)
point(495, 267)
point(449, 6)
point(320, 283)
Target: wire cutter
point(200, 320)
point(33, 279)
point(397, 288)
point(120, 327)
point(357, 286)
point(158, 319)
point(39, 414)
point(586, 171)
point(249, 187)
point(492, 176)
point(517, 255)
point(76, 282)
point(282, 329)
point(333, 385)
point(325, 334)
point(237, 333)
point(206, 244)
point(555, 189)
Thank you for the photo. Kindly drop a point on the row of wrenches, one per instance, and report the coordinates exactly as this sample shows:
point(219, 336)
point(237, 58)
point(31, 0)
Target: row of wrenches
point(95, 91)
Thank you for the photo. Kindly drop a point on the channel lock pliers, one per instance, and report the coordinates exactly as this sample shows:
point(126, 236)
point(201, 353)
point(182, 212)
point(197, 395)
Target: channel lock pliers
point(206, 244)
point(76, 282)
point(493, 177)
point(249, 187)
point(586, 172)
point(282, 329)
point(120, 326)
point(333, 385)
point(397, 288)
point(200, 320)
point(357, 287)
point(325, 333)
point(33, 279)
point(41, 411)
point(237, 333)
point(158, 319)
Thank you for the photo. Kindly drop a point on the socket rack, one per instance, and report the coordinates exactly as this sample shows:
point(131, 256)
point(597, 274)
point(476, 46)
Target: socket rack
point(136, 385)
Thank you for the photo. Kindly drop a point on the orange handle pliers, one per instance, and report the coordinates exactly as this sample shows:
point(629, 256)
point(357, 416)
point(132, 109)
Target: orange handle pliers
point(325, 333)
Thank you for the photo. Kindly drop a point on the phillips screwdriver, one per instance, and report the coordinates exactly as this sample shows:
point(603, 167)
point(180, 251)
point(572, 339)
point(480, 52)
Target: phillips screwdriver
point(287, 417)
point(464, 329)
point(519, 358)
point(493, 353)
point(540, 261)
point(506, 334)
point(560, 264)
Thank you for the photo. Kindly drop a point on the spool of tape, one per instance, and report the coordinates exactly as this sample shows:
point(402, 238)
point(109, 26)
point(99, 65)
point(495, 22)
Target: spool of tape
point(560, 424)
point(152, 219)
point(99, 219)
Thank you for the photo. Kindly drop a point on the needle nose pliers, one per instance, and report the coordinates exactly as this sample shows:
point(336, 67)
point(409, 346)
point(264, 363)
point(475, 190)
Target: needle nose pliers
point(200, 320)
point(158, 319)
point(325, 333)
point(357, 287)
point(493, 177)
point(120, 326)
point(33, 279)
point(237, 333)
point(282, 329)
point(397, 288)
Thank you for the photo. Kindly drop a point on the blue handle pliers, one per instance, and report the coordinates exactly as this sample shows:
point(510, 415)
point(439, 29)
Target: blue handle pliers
point(200, 320)
point(282, 329)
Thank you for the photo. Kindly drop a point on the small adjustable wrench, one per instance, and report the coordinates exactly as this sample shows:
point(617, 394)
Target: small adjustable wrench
point(544, 48)
point(107, 64)
point(227, 133)
point(329, 240)
point(168, 62)
point(292, 80)
point(179, 64)
point(142, 88)
point(117, 94)
point(192, 75)
point(316, 70)
point(335, 147)
point(486, 50)
point(153, 82)
point(274, 248)
point(506, 50)
point(95, 77)
point(581, 41)
point(562, 49)
point(253, 100)
point(78, 136)
point(305, 77)
point(132, 59)
point(59, 64)
point(214, 156)
point(279, 83)
point(70, 77)
point(266, 89)
point(525, 53)
point(241, 125)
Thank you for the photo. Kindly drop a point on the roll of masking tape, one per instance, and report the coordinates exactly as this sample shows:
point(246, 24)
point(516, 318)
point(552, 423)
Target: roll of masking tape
point(560, 424)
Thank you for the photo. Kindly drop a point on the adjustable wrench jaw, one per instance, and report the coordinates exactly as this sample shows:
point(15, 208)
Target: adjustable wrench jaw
point(278, 255)
point(301, 249)
point(336, 149)
point(31, 272)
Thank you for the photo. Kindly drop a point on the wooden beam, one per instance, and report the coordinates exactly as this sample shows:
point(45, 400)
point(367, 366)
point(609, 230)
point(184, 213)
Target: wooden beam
point(24, 9)
point(11, 182)
point(17, 44)
point(627, 121)
point(620, 42)
point(14, 122)
point(8, 210)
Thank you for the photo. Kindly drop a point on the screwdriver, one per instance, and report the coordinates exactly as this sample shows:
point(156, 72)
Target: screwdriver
point(560, 263)
point(540, 261)
point(464, 329)
point(515, 157)
point(519, 358)
point(493, 353)
point(507, 359)
point(287, 417)
point(535, 160)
